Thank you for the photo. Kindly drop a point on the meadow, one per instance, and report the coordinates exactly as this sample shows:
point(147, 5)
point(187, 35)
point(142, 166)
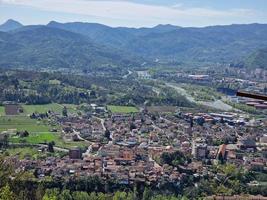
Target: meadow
point(122, 109)
point(46, 137)
point(55, 107)
point(36, 138)
point(2, 110)
point(39, 130)
point(22, 123)
point(29, 109)
point(32, 152)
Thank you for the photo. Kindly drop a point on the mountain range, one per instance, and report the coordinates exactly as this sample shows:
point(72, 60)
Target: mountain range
point(10, 25)
point(85, 45)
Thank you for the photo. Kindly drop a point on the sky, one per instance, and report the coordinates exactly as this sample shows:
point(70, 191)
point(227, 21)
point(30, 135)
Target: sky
point(136, 13)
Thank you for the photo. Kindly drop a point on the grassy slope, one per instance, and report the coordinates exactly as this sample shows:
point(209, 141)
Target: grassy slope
point(23, 152)
point(122, 109)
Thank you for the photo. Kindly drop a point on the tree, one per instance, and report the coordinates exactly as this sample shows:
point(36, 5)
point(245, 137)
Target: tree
point(5, 171)
point(65, 195)
point(80, 196)
point(4, 141)
point(26, 133)
point(22, 134)
point(51, 194)
point(40, 192)
point(132, 126)
point(130, 196)
point(176, 158)
point(65, 111)
point(147, 194)
point(107, 134)
point(101, 196)
point(221, 158)
point(93, 196)
point(120, 196)
point(6, 193)
point(191, 122)
point(51, 147)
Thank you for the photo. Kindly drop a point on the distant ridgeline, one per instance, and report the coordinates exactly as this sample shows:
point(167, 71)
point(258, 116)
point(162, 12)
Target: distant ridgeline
point(90, 45)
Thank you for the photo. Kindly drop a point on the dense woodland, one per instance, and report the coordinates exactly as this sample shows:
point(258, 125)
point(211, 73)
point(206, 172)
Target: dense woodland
point(42, 88)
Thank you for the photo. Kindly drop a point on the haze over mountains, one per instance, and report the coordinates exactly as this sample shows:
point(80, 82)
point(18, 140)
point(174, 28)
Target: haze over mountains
point(86, 45)
point(10, 25)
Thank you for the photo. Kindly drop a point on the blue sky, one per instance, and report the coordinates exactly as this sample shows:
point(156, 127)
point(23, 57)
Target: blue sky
point(136, 13)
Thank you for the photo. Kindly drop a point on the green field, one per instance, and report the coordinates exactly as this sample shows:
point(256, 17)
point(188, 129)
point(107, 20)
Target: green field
point(39, 131)
point(70, 107)
point(37, 138)
point(21, 123)
point(122, 109)
point(45, 137)
point(2, 110)
point(55, 107)
point(29, 109)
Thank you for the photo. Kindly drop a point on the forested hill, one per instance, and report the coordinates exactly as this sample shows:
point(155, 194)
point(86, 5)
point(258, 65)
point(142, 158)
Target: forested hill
point(231, 43)
point(257, 59)
point(85, 45)
point(42, 46)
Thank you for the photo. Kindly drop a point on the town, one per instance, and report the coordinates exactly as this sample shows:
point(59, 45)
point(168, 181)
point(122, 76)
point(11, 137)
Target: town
point(137, 147)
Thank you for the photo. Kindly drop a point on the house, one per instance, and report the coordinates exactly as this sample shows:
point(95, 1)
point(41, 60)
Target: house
point(75, 153)
point(247, 144)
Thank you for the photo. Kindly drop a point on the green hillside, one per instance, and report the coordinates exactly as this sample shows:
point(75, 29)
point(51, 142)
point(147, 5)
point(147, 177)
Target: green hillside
point(43, 47)
point(258, 59)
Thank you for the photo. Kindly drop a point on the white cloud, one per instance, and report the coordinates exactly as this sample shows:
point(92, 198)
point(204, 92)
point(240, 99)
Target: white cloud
point(141, 14)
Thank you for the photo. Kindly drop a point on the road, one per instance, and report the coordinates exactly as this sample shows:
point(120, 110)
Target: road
point(181, 91)
point(104, 128)
point(80, 137)
point(102, 122)
point(129, 73)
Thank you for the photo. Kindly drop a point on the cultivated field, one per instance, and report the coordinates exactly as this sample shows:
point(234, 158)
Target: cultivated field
point(29, 109)
point(37, 138)
point(21, 123)
point(55, 107)
point(122, 109)
point(46, 137)
point(39, 131)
